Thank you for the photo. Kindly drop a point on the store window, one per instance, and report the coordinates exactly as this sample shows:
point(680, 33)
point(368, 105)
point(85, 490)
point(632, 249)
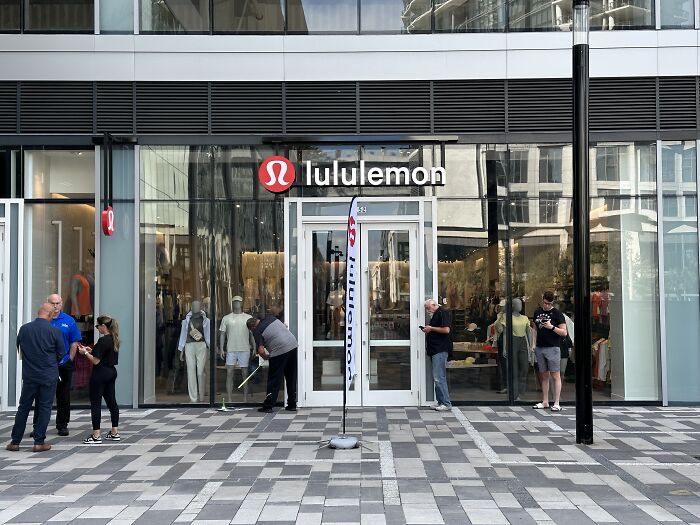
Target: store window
point(322, 16)
point(60, 241)
point(395, 16)
point(479, 16)
point(10, 16)
point(681, 280)
point(60, 16)
point(539, 15)
point(116, 16)
point(246, 16)
point(175, 172)
point(187, 16)
point(677, 14)
point(622, 14)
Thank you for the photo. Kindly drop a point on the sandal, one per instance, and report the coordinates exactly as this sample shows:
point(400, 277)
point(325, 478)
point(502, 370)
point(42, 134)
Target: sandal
point(556, 408)
point(540, 406)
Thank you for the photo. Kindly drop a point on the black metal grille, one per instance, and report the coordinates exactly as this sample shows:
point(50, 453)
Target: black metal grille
point(463, 106)
point(172, 107)
point(677, 103)
point(246, 107)
point(56, 107)
point(395, 107)
point(321, 107)
point(623, 104)
point(539, 105)
point(115, 107)
point(8, 107)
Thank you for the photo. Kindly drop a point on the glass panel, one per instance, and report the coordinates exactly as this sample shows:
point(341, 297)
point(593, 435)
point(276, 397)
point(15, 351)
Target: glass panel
point(60, 15)
point(116, 16)
point(14, 314)
point(323, 209)
point(328, 368)
point(535, 169)
point(322, 157)
point(540, 15)
point(185, 16)
point(392, 156)
point(471, 281)
point(623, 169)
point(59, 174)
point(10, 15)
point(681, 280)
point(175, 172)
point(389, 367)
point(395, 16)
point(677, 14)
point(473, 171)
point(60, 258)
point(482, 15)
point(249, 16)
point(236, 172)
point(322, 16)
point(292, 316)
point(622, 14)
point(175, 264)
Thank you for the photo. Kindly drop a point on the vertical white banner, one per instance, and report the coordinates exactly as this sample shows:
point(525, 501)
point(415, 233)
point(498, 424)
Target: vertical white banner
point(352, 329)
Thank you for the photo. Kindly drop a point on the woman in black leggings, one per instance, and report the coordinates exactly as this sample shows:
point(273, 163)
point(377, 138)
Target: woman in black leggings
point(104, 358)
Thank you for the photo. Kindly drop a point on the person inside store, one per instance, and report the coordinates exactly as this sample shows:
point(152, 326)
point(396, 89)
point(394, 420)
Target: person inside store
point(71, 339)
point(41, 349)
point(438, 344)
point(235, 345)
point(104, 358)
point(550, 326)
point(274, 342)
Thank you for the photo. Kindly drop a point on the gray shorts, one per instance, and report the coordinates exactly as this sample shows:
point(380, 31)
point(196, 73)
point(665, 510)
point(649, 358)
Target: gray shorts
point(548, 358)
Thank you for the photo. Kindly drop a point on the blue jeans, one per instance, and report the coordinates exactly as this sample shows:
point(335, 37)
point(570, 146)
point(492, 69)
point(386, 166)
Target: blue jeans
point(43, 394)
point(439, 362)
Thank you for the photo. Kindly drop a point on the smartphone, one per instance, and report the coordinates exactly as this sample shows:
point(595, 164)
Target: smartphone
point(421, 326)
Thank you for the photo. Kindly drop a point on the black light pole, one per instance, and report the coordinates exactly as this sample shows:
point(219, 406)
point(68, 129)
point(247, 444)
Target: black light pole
point(582, 284)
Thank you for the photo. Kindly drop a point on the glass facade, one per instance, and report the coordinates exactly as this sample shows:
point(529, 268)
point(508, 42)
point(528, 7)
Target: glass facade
point(116, 16)
point(677, 14)
point(60, 16)
point(189, 16)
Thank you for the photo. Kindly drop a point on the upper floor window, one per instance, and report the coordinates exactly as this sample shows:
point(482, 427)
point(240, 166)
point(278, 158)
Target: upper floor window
point(67, 16)
point(322, 16)
point(677, 14)
point(607, 163)
point(248, 16)
point(550, 165)
point(539, 15)
point(10, 20)
point(116, 16)
point(474, 16)
point(622, 14)
point(185, 16)
point(517, 166)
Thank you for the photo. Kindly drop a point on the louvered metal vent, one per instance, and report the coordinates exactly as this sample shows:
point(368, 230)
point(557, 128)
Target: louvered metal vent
point(623, 104)
point(463, 106)
point(246, 107)
point(539, 105)
point(321, 107)
point(395, 107)
point(115, 107)
point(677, 109)
point(8, 107)
point(172, 107)
point(56, 107)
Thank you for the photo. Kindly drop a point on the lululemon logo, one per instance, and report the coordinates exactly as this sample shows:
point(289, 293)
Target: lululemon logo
point(276, 174)
point(352, 232)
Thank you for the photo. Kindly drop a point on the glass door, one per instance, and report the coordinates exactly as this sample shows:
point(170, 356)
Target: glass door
point(390, 314)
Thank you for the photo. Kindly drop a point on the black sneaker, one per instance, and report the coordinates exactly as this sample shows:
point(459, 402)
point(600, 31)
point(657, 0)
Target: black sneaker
point(290, 409)
point(265, 410)
point(113, 437)
point(92, 440)
point(63, 432)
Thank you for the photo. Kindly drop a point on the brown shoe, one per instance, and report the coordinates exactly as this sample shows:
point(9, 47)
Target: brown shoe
point(12, 447)
point(41, 448)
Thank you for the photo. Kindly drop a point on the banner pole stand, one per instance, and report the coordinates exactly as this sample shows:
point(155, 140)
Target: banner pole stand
point(343, 441)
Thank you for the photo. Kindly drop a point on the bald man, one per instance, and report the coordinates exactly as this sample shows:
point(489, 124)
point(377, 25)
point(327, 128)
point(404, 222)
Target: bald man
point(41, 348)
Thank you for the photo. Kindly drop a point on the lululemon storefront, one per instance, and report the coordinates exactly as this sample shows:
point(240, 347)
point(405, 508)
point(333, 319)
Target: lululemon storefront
point(238, 230)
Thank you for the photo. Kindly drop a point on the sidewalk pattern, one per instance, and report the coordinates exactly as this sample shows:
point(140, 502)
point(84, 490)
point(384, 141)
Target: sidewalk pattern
point(488, 465)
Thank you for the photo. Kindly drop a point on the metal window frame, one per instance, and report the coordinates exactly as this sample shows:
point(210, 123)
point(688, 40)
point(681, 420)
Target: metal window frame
point(661, 276)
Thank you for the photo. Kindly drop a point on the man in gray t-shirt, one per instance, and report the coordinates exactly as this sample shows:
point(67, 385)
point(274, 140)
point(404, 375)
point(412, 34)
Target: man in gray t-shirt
point(272, 335)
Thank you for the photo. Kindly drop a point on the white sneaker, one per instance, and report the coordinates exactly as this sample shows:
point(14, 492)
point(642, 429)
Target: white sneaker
point(433, 406)
point(442, 408)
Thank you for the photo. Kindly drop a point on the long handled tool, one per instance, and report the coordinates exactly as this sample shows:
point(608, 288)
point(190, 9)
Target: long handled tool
point(251, 375)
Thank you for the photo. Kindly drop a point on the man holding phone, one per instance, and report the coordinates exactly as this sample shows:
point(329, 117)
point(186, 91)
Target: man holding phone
point(438, 343)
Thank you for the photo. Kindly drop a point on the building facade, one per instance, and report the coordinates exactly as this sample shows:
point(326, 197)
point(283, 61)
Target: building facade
point(167, 110)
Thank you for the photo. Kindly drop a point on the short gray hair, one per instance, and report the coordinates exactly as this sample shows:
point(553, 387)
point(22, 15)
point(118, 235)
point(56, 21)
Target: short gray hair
point(431, 301)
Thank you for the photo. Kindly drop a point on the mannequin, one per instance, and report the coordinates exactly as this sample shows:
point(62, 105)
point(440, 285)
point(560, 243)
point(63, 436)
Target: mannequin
point(522, 342)
point(335, 301)
point(193, 347)
point(235, 345)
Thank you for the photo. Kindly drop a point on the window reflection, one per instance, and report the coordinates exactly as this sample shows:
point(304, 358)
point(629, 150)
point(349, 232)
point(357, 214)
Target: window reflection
point(475, 16)
point(175, 172)
point(10, 15)
point(175, 16)
point(622, 14)
point(116, 16)
point(540, 15)
point(247, 16)
point(322, 16)
point(623, 169)
point(395, 16)
point(677, 14)
point(60, 15)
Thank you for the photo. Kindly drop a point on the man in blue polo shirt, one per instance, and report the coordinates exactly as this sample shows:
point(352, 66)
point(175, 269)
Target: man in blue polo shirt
point(71, 338)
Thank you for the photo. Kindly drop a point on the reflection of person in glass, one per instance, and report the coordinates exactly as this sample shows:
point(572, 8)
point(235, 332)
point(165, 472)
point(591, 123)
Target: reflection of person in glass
point(438, 343)
point(274, 342)
point(235, 345)
point(551, 327)
point(193, 346)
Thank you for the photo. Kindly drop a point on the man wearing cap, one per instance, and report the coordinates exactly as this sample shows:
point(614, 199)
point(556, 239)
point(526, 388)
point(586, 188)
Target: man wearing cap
point(236, 342)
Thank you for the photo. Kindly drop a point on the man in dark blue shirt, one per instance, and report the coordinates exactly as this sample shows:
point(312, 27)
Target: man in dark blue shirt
point(41, 347)
point(71, 338)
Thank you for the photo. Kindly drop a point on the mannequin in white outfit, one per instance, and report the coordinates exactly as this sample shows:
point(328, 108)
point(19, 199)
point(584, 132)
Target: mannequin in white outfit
point(193, 347)
point(235, 345)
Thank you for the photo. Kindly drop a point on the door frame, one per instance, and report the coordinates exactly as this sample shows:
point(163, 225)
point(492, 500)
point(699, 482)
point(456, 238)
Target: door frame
point(295, 264)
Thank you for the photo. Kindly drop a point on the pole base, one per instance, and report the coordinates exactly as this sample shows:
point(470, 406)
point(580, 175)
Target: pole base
point(344, 442)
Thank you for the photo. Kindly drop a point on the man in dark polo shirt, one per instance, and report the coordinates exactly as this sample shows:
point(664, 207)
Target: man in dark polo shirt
point(41, 347)
point(438, 343)
point(272, 335)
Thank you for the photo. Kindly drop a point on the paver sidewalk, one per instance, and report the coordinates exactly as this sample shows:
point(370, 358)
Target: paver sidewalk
point(487, 465)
